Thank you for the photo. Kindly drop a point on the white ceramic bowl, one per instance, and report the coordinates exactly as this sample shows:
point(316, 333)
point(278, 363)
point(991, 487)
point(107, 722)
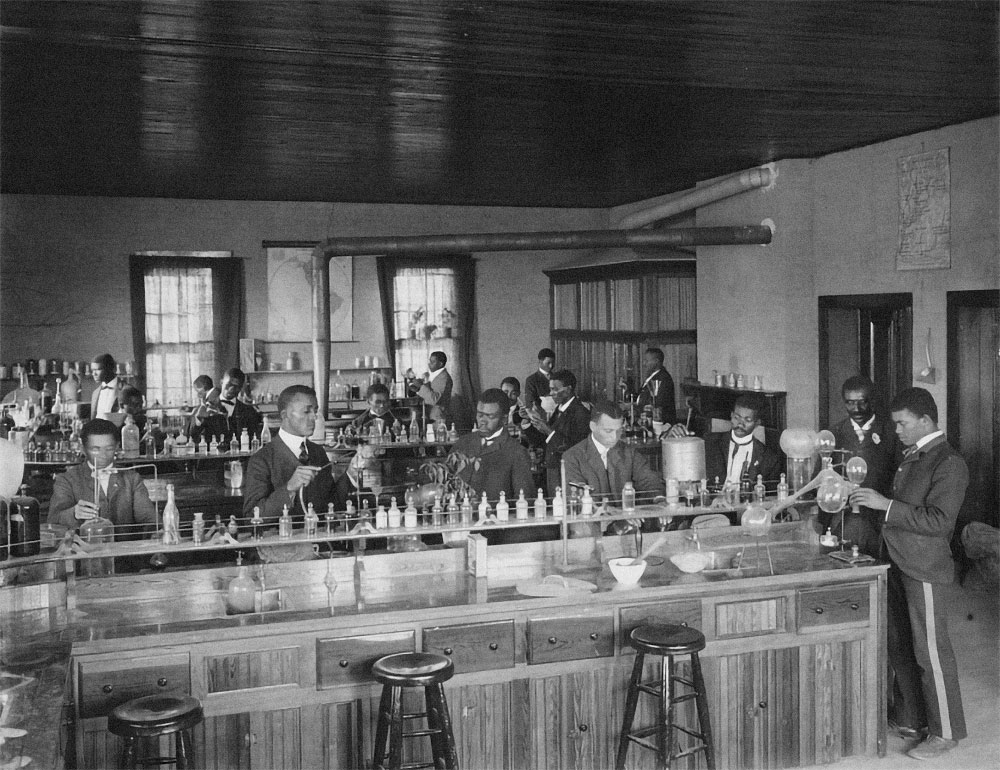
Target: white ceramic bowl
point(625, 571)
point(690, 561)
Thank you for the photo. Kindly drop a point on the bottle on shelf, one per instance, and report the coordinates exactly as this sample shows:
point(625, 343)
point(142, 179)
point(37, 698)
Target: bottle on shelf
point(452, 509)
point(558, 504)
point(437, 513)
point(783, 488)
point(311, 521)
point(198, 528)
point(285, 524)
point(484, 508)
point(171, 519)
point(130, 438)
point(759, 490)
point(466, 509)
point(256, 524)
point(265, 433)
point(234, 444)
point(410, 514)
point(245, 441)
point(394, 516)
point(587, 502)
point(521, 507)
point(381, 518)
point(540, 504)
point(414, 427)
point(628, 498)
point(503, 507)
point(430, 433)
point(213, 447)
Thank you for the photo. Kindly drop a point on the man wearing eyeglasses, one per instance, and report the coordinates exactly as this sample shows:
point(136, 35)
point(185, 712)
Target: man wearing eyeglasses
point(872, 437)
point(737, 456)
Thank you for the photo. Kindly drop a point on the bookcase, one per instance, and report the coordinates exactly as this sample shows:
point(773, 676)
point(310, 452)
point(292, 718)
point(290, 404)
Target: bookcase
point(603, 318)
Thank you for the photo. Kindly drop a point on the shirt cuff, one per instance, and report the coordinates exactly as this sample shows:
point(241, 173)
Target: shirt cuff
point(549, 437)
point(887, 512)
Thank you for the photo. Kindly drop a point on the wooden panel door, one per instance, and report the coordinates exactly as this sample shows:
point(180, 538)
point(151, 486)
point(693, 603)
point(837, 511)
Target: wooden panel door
point(834, 695)
point(258, 740)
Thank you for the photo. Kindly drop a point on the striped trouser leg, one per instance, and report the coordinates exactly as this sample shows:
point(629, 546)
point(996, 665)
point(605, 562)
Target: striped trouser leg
point(932, 649)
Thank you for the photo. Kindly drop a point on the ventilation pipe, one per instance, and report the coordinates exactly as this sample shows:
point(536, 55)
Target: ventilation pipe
point(415, 245)
point(752, 179)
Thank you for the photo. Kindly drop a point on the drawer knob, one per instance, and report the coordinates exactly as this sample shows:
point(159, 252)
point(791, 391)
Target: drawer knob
point(594, 635)
point(584, 728)
point(344, 663)
point(762, 704)
point(552, 640)
point(162, 681)
point(107, 689)
point(494, 646)
point(819, 610)
point(854, 606)
point(448, 651)
point(684, 623)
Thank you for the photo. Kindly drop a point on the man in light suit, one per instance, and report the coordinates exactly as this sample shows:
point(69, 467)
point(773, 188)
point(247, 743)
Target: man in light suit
point(737, 456)
point(568, 425)
point(233, 416)
point(435, 389)
point(122, 498)
point(291, 470)
point(917, 524)
point(104, 399)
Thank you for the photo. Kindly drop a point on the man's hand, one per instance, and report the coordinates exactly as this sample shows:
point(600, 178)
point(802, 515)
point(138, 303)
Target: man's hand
point(869, 498)
point(302, 477)
point(537, 418)
point(85, 510)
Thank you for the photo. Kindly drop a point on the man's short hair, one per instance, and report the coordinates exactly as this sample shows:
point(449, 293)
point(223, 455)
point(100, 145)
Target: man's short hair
point(109, 369)
point(858, 383)
point(286, 396)
point(204, 382)
point(916, 400)
point(546, 353)
point(656, 353)
point(99, 427)
point(377, 389)
point(236, 375)
point(565, 376)
point(498, 397)
point(440, 356)
point(128, 393)
point(751, 401)
point(605, 407)
point(513, 382)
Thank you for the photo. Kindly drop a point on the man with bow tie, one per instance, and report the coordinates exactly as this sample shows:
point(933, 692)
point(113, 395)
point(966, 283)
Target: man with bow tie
point(872, 437)
point(536, 384)
point(496, 461)
point(658, 388)
point(233, 415)
point(736, 456)
point(104, 399)
point(121, 496)
point(568, 425)
point(291, 470)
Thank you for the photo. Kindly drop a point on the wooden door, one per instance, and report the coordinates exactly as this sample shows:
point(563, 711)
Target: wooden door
point(973, 412)
point(258, 740)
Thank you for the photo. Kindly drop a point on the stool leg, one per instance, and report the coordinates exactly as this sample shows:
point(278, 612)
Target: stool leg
point(128, 756)
point(388, 703)
point(438, 718)
point(666, 724)
point(704, 719)
point(184, 750)
point(631, 701)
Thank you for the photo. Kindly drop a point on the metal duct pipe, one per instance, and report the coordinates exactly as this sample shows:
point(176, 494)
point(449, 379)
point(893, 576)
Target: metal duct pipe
point(479, 242)
point(702, 196)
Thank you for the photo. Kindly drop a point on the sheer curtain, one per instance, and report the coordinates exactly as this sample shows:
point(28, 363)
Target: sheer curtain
point(179, 331)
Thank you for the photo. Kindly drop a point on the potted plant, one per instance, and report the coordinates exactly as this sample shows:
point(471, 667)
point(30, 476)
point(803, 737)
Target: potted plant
point(447, 322)
point(415, 320)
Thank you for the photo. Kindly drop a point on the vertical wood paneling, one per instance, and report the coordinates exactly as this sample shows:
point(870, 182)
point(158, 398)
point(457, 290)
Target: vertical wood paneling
point(239, 671)
point(222, 742)
point(522, 757)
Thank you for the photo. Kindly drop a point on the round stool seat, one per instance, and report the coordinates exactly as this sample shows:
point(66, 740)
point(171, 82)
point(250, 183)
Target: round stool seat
point(667, 640)
point(413, 669)
point(155, 715)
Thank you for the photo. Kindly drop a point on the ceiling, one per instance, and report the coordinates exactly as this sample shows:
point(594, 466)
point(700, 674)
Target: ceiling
point(538, 103)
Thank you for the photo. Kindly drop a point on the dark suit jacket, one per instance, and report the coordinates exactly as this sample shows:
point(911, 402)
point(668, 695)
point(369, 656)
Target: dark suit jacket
point(664, 399)
point(764, 461)
point(584, 466)
point(243, 416)
point(536, 385)
point(438, 393)
point(126, 503)
point(568, 428)
point(116, 407)
point(882, 457)
point(504, 466)
point(270, 468)
point(927, 493)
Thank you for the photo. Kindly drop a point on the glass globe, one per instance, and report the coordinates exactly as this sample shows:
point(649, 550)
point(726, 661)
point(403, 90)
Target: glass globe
point(798, 443)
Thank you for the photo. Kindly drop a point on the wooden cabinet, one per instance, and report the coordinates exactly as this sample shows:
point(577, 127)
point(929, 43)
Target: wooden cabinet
point(256, 740)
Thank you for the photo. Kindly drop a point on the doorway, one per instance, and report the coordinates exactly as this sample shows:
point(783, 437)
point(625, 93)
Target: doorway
point(869, 334)
point(973, 412)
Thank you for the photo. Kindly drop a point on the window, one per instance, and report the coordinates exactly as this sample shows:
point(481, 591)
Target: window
point(179, 323)
point(424, 316)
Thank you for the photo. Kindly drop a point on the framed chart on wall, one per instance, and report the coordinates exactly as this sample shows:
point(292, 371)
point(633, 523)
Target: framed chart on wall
point(289, 294)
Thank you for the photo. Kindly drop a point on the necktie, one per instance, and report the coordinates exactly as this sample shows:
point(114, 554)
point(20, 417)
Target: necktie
point(910, 451)
point(226, 401)
point(304, 454)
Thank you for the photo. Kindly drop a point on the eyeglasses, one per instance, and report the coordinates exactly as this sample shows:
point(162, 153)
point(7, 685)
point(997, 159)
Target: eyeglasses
point(488, 415)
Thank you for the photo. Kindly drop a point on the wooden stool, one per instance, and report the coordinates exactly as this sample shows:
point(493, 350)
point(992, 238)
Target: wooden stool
point(152, 717)
point(413, 669)
point(666, 641)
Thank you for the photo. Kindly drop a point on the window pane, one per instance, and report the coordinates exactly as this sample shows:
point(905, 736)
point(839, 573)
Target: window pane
point(424, 307)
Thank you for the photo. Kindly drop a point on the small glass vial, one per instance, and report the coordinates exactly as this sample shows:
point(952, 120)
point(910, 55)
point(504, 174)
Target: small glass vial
point(759, 490)
point(484, 508)
point(198, 528)
point(394, 516)
point(452, 509)
point(437, 513)
point(587, 503)
point(256, 524)
point(381, 518)
point(558, 505)
point(466, 509)
point(285, 524)
point(783, 488)
point(628, 497)
point(311, 521)
point(410, 514)
point(541, 506)
point(521, 507)
point(703, 494)
point(503, 507)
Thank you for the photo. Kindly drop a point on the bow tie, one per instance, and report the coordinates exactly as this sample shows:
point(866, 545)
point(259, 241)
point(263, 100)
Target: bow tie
point(107, 386)
point(488, 442)
point(910, 451)
point(226, 401)
point(103, 473)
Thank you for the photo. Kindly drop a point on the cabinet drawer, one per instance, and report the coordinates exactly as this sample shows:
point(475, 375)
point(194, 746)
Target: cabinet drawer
point(570, 638)
point(678, 613)
point(827, 606)
point(348, 659)
point(106, 684)
point(474, 646)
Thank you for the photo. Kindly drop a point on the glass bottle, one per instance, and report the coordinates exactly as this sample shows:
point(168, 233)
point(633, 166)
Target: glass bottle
point(381, 518)
point(628, 497)
point(521, 507)
point(240, 596)
point(503, 507)
point(558, 505)
point(394, 516)
point(587, 503)
point(759, 490)
point(171, 519)
point(410, 514)
point(540, 505)
point(244, 441)
point(130, 437)
point(256, 524)
point(285, 524)
point(484, 508)
point(265, 434)
point(311, 521)
point(234, 444)
point(98, 530)
point(466, 509)
point(783, 488)
point(414, 427)
point(452, 510)
point(198, 528)
point(436, 513)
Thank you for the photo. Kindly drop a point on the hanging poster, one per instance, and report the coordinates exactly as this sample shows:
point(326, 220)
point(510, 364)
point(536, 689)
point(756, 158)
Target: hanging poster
point(289, 296)
point(924, 211)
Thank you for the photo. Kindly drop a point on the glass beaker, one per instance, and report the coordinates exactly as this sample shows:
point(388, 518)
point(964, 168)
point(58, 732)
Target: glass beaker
point(98, 530)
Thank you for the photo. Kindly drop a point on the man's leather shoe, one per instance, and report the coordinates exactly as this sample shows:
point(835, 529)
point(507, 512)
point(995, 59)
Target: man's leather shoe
point(932, 747)
point(907, 732)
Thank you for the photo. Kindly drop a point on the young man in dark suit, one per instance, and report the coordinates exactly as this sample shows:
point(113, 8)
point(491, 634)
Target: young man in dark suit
point(568, 425)
point(658, 388)
point(291, 470)
point(737, 456)
point(234, 415)
point(917, 524)
point(873, 438)
point(536, 384)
